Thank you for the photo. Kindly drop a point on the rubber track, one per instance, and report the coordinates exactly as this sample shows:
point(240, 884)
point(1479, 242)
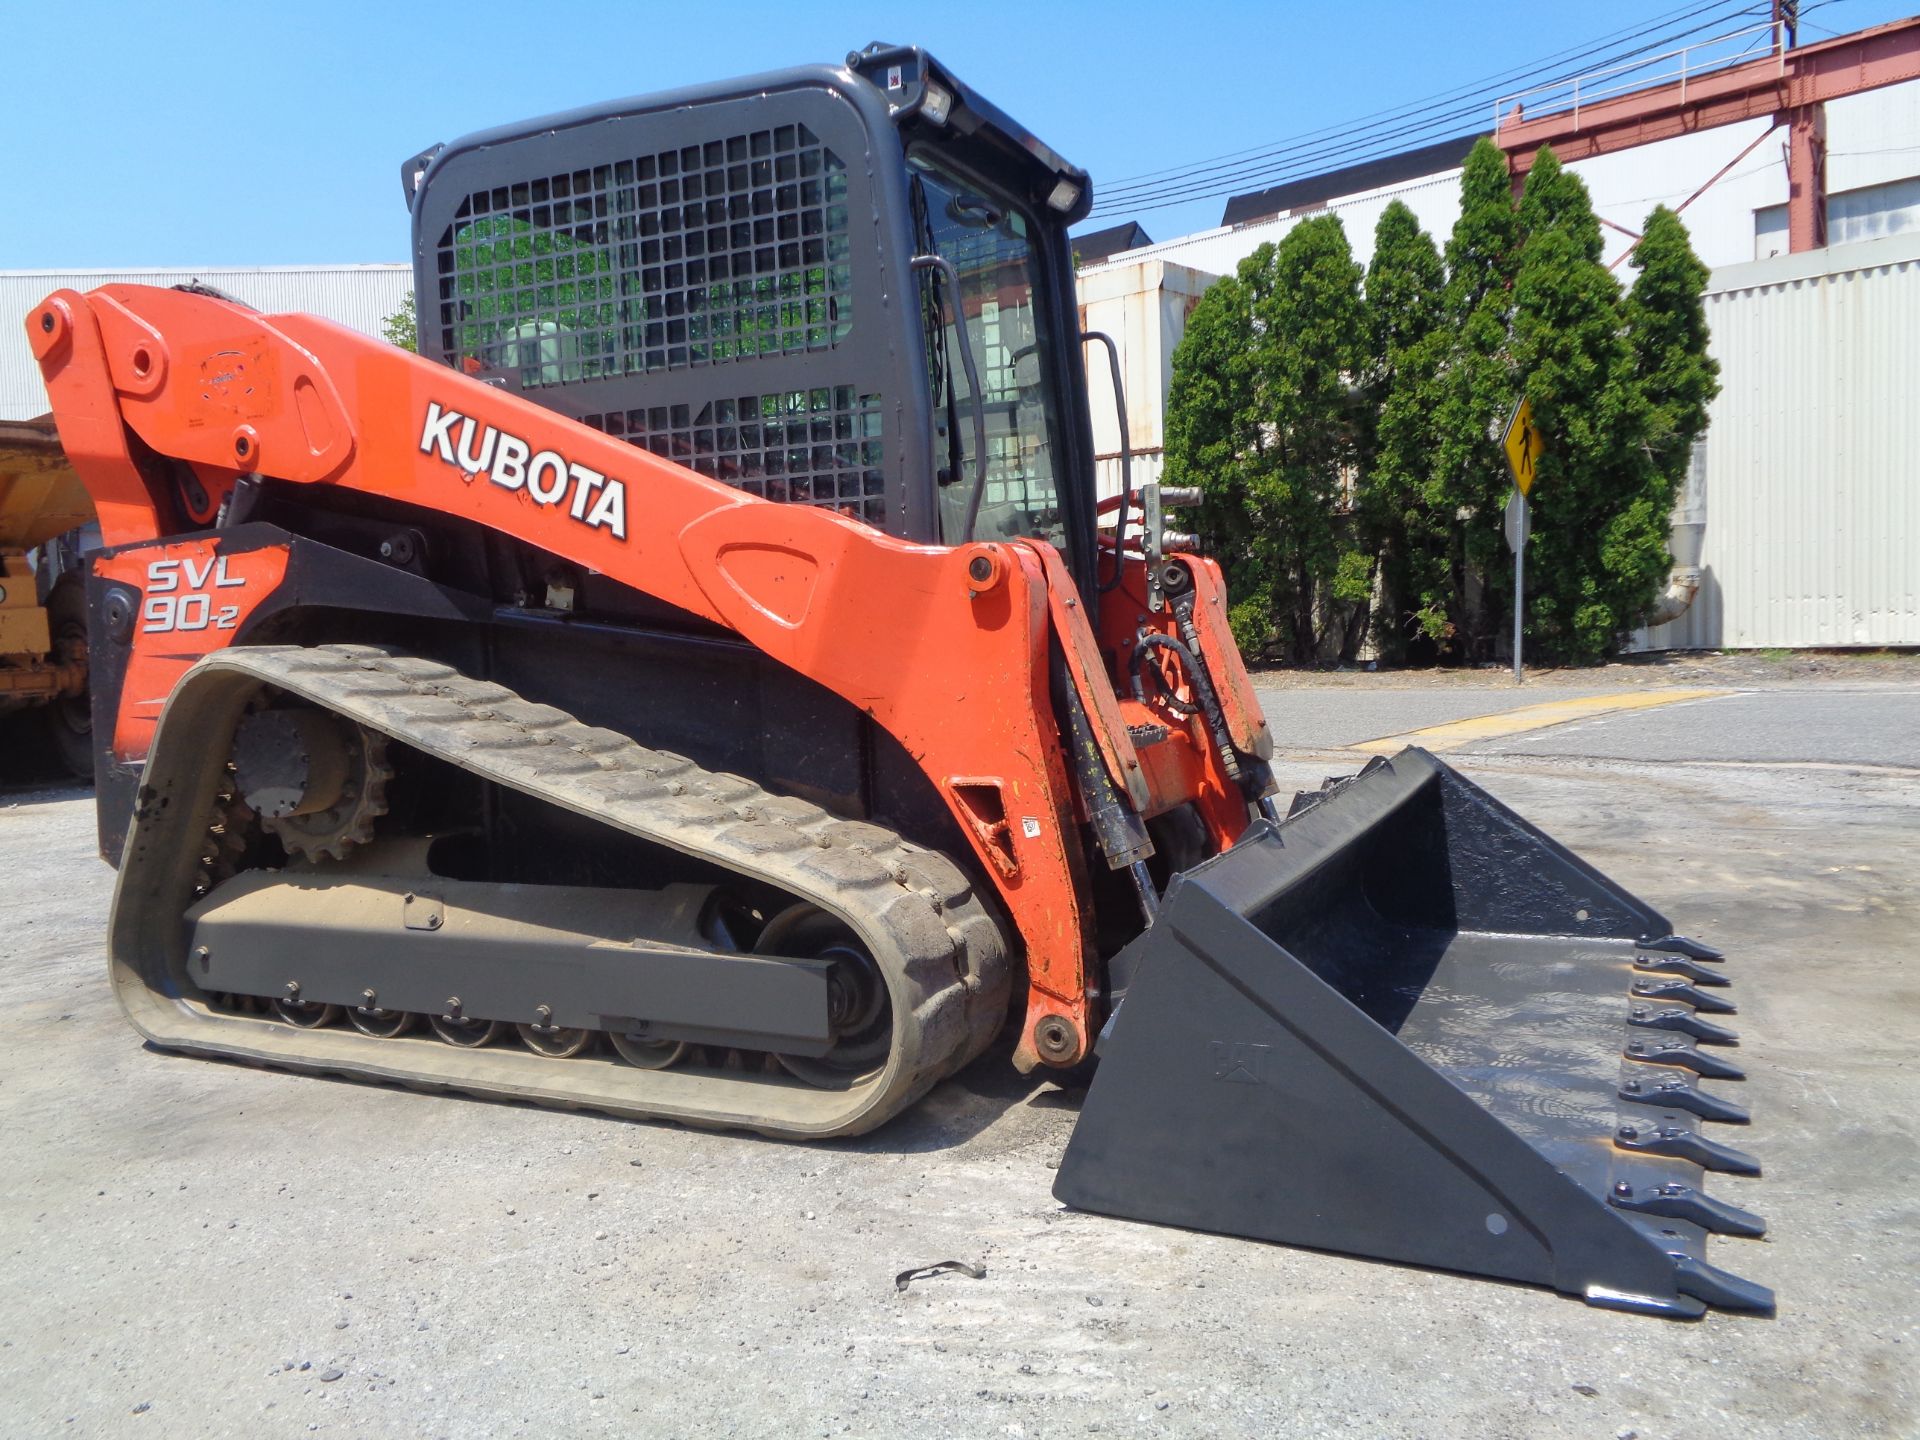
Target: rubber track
point(943, 951)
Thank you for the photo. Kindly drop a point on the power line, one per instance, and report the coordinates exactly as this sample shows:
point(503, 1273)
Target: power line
point(1448, 107)
point(1572, 52)
point(1435, 118)
point(1304, 156)
point(1478, 87)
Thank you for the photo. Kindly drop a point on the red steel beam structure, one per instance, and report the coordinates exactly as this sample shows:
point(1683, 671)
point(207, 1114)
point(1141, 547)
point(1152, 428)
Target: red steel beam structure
point(1791, 87)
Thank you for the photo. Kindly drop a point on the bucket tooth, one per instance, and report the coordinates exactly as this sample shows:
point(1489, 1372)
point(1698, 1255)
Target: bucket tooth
point(1681, 945)
point(1680, 1051)
point(1681, 966)
point(1682, 1019)
point(1677, 1142)
point(1719, 1288)
point(1674, 1201)
point(1677, 1092)
point(1391, 1025)
point(1651, 989)
point(1305, 800)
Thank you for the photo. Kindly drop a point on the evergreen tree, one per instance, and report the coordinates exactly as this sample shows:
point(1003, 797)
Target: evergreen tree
point(1599, 531)
point(1312, 341)
point(1484, 248)
point(1214, 438)
point(1471, 391)
point(1554, 198)
point(1667, 328)
point(1263, 415)
point(1289, 386)
point(1405, 297)
point(1405, 285)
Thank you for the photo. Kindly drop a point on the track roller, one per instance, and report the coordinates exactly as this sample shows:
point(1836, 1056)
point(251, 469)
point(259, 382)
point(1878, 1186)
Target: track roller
point(467, 1034)
point(559, 1042)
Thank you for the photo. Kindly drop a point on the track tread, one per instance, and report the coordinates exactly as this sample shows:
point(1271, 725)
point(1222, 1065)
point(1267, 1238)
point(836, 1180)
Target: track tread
point(913, 904)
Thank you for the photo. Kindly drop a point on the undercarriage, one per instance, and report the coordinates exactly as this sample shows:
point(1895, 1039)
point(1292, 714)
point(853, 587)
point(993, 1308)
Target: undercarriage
point(776, 969)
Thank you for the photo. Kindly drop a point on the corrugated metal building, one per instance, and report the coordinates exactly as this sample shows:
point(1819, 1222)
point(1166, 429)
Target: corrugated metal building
point(1808, 479)
point(361, 296)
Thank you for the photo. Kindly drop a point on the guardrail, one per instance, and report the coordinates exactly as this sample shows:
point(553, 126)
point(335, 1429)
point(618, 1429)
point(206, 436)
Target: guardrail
point(1687, 63)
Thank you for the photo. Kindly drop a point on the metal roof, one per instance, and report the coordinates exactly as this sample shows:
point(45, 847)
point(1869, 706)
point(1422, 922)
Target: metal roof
point(1350, 180)
point(1090, 247)
point(361, 296)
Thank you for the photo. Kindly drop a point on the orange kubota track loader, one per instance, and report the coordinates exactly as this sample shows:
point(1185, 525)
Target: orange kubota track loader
point(699, 686)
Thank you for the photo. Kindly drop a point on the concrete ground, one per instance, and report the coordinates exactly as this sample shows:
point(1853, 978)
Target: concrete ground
point(191, 1248)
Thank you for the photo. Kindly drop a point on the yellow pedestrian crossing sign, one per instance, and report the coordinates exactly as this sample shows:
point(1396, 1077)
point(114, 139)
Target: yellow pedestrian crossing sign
point(1523, 445)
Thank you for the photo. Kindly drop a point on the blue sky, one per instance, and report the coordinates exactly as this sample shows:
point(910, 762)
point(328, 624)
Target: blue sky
point(272, 134)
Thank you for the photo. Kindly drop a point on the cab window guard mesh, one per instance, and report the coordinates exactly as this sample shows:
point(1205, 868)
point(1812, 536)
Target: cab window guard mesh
point(822, 446)
point(704, 254)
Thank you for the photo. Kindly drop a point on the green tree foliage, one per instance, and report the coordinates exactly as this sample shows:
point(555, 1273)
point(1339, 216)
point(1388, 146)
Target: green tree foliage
point(402, 328)
point(1265, 418)
point(1600, 510)
point(547, 293)
point(1667, 328)
point(1471, 388)
point(1291, 395)
point(1214, 436)
point(1483, 250)
point(1405, 297)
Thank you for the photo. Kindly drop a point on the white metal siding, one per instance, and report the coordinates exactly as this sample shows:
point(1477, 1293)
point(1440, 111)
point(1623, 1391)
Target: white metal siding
point(1434, 199)
point(1144, 307)
point(361, 296)
point(1811, 481)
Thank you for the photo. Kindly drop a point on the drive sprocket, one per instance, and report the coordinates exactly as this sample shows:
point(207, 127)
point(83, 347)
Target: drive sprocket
point(317, 780)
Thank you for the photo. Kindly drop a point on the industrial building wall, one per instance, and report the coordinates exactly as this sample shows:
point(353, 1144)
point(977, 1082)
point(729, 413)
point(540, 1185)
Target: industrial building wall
point(1809, 475)
point(1144, 307)
point(360, 296)
point(1435, 199)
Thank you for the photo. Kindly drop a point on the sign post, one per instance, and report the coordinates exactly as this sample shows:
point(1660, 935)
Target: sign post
point(1524, 447)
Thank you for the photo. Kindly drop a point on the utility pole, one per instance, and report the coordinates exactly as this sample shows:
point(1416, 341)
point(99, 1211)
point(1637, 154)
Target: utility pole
point(1786, 20)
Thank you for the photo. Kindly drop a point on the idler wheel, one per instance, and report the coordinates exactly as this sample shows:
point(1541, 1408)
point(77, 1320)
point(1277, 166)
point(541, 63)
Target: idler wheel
point(858, 1002)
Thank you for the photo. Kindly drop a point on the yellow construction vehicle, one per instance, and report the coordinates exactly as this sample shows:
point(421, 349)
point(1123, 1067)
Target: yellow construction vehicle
point(43, 608)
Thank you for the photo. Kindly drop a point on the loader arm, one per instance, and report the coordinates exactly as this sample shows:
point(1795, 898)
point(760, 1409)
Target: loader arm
point(954, 664)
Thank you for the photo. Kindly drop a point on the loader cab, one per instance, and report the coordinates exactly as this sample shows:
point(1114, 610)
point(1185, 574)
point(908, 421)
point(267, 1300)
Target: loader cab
point(848, 287)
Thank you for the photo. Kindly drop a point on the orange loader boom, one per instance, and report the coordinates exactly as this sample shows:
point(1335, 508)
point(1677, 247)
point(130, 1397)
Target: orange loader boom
point(953, 664)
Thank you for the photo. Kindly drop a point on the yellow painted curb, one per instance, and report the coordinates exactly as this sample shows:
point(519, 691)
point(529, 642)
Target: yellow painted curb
point(1456, 733)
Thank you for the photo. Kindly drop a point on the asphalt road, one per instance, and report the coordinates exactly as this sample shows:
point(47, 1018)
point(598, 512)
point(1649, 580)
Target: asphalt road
point(196, 1249)
point(1879, 726)
point(1863, 725)
point(1304, 718)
